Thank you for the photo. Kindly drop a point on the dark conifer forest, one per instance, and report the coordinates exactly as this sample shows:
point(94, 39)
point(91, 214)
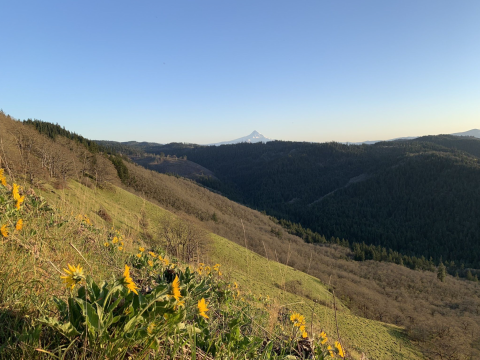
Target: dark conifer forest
point(419, 198)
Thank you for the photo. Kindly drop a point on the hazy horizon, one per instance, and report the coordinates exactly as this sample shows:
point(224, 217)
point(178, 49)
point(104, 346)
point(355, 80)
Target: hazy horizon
point(270, 138)
point(213, 71)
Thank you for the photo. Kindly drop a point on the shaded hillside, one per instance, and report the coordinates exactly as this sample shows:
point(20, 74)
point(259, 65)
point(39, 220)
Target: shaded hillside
point(173, 165)
point(418, 197)
point(468, 144)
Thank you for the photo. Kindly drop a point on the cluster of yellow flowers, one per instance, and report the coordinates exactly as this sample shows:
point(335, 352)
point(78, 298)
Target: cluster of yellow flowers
point(155, 257)
point(338, 346)
point(235, 289)
point(128, 281)
point(4, 228)
point(84, 219)
point(116, 243)
point(4, 231)
point(299, 322)
point(74, 275)
point(16, 196)
point(207, 270)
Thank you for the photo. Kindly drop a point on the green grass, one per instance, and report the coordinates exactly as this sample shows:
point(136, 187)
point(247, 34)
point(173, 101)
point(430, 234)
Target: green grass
point(255, 274)
point(261, 276)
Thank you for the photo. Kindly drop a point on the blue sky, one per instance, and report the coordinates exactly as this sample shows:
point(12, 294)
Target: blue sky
point(209, 71)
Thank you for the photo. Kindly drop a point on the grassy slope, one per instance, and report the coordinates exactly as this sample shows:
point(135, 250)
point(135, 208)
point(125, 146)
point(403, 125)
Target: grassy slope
point(251, 271)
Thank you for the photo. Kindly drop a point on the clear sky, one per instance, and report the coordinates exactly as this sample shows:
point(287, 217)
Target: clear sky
point(206, 71)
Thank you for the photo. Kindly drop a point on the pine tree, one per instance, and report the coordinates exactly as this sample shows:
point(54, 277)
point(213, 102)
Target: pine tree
point(441, 272)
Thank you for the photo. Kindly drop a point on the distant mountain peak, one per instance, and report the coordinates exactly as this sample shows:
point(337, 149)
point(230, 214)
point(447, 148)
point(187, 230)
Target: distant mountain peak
point(254, 137)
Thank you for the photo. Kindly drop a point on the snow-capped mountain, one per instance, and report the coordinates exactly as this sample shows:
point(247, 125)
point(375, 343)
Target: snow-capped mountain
point(254, 137)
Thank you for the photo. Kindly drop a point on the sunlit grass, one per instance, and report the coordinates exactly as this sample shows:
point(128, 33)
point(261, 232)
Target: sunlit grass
point(67, 229)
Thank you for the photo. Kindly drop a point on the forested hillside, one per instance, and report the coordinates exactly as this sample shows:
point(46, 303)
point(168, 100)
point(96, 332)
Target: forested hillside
point(419, 197)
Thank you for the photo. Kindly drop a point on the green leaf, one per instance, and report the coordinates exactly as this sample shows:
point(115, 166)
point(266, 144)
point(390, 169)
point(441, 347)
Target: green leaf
point(74, 313)
point(61, 306)
point(94, 323)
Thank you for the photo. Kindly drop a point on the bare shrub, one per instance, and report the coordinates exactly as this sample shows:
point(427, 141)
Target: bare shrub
point(104, 215)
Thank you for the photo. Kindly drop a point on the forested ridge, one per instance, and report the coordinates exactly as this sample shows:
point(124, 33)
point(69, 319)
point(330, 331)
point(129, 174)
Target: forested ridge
point(419, 197)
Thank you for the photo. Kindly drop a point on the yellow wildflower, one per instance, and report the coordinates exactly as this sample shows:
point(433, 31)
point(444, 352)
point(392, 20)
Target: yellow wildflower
point(150, 262)
point(166, 262)
point(150, 328)
point(303, 331)
point(106, 244)
point(74, 275)
point(152, 254)
point(19, 225)
point(339, 349)
point(330, 350)
point(15, 193)
point(202, 308)
point(115, 240)
point(141, 249)
point(120, 248)
point(139, 255)
point(176, 288)
point(4, 231)
point(324, 338)
point(19, 202)
point(2, 178)
point(128, 282)
point(236, 285)
point(297, 319)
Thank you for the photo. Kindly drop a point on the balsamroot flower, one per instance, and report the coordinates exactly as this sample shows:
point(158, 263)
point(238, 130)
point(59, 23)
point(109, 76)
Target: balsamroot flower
point(330, 350)
point(142, 249)
point(202, 308)
point(297, 319)
point(324, 337)
point(4, 231)
point(19, 225)
point(19, 202)
point(338, 346)
point(150, 262)
point(74, 276)
point(15, 193)
point(176, 289)
point(303, 331)
point(2, 178)
point(128, 282)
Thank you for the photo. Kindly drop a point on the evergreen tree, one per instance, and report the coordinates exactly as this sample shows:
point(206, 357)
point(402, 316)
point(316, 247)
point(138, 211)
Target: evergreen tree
point(441, 272)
